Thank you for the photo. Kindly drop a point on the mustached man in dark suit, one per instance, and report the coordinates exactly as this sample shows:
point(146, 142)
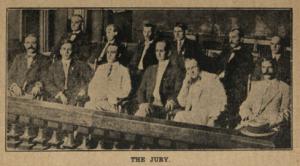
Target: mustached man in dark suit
point(236, 65)
point(78, 38)
point(28, 70)
point(160, 85)
point(98, 55)
point(67, 78)
point(144, 55)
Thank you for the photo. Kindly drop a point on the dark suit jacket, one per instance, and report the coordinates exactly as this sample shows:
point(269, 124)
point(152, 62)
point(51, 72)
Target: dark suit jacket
point(169, 87)
point(19, 74)
point(189, 49)
point(284, 69)
point(79, 76)
point(237, 71)
point(97, 49)
point(81, 49)
point(149, 58)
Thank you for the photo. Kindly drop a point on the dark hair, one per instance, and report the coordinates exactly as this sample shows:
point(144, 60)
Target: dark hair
point(167, 47)
point(183, 26)
point(150, 25)
point(116, 28)
point(32, 35)
point(241, 33)
point(272, 61)
point(78, 15)
point(65, 41)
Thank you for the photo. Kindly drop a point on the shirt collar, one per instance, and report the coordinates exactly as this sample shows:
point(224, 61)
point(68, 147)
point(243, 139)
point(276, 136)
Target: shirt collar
point(76, 32)
point(66, 61)
point(31, 55)
point(237, 48)
point(163, 63)
point(276, 56)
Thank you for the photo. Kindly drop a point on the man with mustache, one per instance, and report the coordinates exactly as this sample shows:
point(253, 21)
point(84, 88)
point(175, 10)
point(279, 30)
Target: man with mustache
point(268, 103)
point(236, 65)
point(28, 71)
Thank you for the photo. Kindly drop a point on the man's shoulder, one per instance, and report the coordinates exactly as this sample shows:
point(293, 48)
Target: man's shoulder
point(283, 86)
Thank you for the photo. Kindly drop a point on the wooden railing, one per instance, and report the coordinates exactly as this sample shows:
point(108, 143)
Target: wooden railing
point(37, 125)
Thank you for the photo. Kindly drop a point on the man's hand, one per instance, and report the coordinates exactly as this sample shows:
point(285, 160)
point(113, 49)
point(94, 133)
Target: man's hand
point(81, 93)
point(61, 96)
point(170, 105)
point(144, 110)
point(15, 90)
point(36, 91)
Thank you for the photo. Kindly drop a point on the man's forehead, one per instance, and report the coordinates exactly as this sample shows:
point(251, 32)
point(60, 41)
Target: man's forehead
point(177, 28)
point(160, 45)
point(76, 19)
point(109, 28)
point(275, 39)
point(67, 45)
point(266, 63)
point(30, 38)
point(234, 33)
point(190, 63)
point(147, 28)
point(112, 48)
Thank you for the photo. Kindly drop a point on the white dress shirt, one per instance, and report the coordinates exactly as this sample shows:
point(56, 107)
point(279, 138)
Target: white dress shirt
point(146, 46)
point(66, 66)
point(160, 72)
point(30, 59)
point(74, 35)
point(110, 82)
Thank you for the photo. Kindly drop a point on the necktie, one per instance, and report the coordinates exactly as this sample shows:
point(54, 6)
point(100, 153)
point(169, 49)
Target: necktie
point(29, 61)
point(109, 70)
point(141, 65)
point(66, 67)
point(178, 46)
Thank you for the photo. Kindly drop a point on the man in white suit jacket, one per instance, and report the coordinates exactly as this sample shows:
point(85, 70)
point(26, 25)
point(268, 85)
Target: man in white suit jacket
point(268, 101)
point(110, 83)
point(202, 95)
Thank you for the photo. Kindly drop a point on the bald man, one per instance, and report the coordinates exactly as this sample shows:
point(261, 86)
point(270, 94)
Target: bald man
point(202, 96)
point(79, 39)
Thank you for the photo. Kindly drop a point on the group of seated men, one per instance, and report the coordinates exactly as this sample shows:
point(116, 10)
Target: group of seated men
point(161, 80)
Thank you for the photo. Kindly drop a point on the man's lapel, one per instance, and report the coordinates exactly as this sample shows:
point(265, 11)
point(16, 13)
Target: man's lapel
point(272, 91)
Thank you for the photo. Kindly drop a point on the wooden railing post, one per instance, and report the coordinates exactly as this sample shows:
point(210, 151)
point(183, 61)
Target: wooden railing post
point(27, 136)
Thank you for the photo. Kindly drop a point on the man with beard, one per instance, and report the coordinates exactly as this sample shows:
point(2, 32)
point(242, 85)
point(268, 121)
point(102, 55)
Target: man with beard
point(78, 38)
point(268, 103)
point(68, 78)
point(28, 70)
point(236, 65)
point(144, 56)
point(98, 55)
point(202, 96)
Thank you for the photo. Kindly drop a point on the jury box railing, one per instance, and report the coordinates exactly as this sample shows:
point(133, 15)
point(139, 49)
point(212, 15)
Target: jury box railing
point(38, 125)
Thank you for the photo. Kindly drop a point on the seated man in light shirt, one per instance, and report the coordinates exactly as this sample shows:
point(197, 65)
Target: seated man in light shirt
point(202, 95)
point(268, 101)
point(110, 84)
point(160, 85)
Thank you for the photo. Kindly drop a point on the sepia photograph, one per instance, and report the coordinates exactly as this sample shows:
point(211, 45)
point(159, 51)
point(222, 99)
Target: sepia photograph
point(148, 79)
